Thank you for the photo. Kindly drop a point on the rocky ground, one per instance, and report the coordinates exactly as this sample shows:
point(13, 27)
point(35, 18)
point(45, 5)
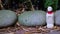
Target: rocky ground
point(19, 29)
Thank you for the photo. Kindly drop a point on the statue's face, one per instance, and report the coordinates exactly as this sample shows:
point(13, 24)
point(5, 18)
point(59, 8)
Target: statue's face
point(49, 8)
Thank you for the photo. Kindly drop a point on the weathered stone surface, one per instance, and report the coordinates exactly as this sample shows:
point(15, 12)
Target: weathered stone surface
point(7, 18)
point(32, 18)
point(57, 17)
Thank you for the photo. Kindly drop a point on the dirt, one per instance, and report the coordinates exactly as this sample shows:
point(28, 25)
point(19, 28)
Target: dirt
point(19, 29)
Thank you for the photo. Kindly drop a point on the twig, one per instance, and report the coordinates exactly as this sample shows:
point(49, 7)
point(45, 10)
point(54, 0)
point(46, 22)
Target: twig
point(1, 4)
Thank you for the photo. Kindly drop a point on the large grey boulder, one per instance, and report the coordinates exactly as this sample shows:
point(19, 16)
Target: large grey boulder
point(7, 18)
point(57, 17)
point(32, 18)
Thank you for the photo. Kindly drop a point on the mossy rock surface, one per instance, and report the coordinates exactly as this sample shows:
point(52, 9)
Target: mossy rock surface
point(57, 17)
point(32, 18)
point(7, 18)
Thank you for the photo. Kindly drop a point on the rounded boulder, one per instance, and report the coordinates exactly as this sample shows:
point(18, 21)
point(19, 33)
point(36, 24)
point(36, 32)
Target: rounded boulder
point(57, 17)
point(32, 18)
point(7, 18)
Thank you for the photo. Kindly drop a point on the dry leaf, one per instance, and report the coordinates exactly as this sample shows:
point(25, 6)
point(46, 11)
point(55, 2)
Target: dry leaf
point(27, 33)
